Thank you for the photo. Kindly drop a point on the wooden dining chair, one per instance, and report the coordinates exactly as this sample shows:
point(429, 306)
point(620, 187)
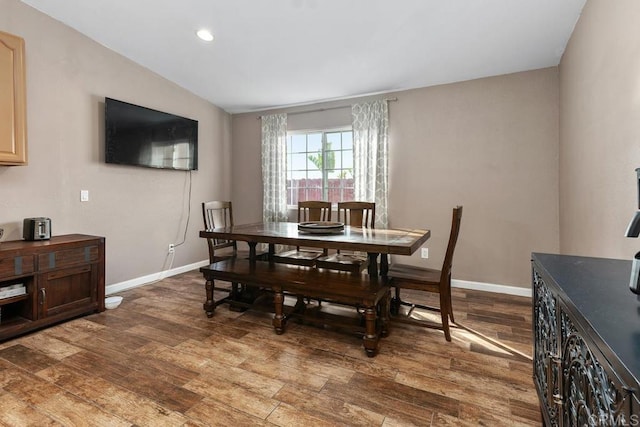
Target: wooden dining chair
point(428, 280)
point(219, 214)
point(311, 210)
point(354, 214)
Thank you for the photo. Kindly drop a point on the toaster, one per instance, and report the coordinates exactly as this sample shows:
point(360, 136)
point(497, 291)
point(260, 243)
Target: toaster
point(36, 228)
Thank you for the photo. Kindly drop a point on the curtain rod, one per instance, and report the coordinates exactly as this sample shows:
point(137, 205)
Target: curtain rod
point(329, 108)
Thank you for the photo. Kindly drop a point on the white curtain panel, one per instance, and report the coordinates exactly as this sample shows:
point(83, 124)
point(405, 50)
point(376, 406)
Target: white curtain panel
point(274, 167)
point(371, 155)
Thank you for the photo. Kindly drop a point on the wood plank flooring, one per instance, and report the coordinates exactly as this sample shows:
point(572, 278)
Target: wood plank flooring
point(157, 360)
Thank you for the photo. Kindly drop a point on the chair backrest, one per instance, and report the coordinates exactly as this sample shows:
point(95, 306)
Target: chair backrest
point(217, 214)
point(453, 239)
point(314, 210)
point(357, 214)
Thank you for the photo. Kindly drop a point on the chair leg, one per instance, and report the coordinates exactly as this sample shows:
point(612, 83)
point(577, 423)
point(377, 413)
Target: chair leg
point(444, 315)
point(449, 304)
point(394, 304)
point(447, 333)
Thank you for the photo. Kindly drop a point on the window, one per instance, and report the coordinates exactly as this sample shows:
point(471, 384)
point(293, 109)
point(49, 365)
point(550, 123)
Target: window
point(320, 166)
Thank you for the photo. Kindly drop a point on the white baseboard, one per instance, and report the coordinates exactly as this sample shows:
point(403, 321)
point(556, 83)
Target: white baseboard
point(491, 287)
point(151, 278)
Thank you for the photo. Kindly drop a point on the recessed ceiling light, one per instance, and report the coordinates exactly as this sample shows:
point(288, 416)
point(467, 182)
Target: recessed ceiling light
point(205, 35)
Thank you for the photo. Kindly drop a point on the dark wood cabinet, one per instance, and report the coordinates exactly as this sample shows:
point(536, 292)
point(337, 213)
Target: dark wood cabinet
point(586, 361)
point(62, 277)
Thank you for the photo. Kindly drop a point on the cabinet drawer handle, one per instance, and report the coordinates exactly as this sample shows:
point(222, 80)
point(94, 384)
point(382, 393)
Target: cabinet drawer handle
point(557, 398)
point(43, 294)
point(553, 360)
point(549, 378)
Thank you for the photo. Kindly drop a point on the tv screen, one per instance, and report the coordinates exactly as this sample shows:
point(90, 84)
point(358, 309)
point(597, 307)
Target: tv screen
point(141, 136)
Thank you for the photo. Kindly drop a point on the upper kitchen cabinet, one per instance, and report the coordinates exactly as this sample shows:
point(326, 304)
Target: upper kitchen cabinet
point(13, 101)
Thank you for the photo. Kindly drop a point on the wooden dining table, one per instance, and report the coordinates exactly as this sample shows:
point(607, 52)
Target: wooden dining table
point(370, 292)
point(375, 242)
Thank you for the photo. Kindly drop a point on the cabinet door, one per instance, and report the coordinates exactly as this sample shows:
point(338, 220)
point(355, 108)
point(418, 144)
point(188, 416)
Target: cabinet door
point(13, 123)
point(592, 393)
point(68, 290)
point(546, 351)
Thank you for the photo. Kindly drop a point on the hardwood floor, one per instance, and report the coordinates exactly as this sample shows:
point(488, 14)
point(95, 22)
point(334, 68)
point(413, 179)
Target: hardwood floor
point(157, 360)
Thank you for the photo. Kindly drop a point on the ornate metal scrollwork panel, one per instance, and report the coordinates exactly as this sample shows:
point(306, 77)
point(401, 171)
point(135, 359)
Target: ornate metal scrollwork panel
point(592, 397)
point(546, 373)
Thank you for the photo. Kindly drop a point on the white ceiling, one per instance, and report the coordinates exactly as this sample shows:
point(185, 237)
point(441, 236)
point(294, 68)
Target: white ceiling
point(275, 53)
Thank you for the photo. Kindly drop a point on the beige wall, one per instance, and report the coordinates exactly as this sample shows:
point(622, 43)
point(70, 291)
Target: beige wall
point(600, 130)
point(490, 145)
point(139, 211)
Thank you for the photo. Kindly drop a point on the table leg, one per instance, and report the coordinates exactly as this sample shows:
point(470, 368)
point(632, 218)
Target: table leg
point(209, 306)
point(252, 250)
point(371, 337)
point(239, 295)
point(272, 251)
point(384, 315)
point(278, 318)
point(384, 264)
point(373, 264)
point(300, 306)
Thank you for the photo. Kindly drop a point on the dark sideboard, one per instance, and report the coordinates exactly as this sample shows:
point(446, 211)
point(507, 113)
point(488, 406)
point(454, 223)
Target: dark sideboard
point(57, 279)
point(586, 360)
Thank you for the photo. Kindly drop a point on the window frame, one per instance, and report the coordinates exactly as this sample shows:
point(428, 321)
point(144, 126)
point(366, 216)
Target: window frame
point(324, 172)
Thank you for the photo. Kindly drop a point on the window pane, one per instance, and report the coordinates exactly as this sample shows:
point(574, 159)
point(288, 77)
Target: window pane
point(314, 161)
point(314, 194)
point(334, 175)
point(347, 159)
point(314, 142)
point(298, 143)
point(298, 175)
point(345, 174)
point(347, 195)
point(289, 143)
point(336, 159)
point(293, 192)
point(299, 161)
point(316, 175)
point(333, 140)
point(294, 198)
point(347, 140)
point(334, 195)
point(326, 162)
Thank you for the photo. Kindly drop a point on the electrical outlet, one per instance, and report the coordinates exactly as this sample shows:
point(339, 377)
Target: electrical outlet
point(424, 253)
point(172, 248)
point(84, 195)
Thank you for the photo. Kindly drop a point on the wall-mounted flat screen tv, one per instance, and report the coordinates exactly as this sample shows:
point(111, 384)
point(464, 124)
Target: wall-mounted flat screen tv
point(140, 136)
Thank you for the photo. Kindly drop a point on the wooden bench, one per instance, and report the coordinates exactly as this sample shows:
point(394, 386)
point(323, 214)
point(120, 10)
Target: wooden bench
point(363, 291)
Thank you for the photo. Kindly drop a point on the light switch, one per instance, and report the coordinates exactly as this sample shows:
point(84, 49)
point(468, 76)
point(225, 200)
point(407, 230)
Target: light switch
point(84, 195)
